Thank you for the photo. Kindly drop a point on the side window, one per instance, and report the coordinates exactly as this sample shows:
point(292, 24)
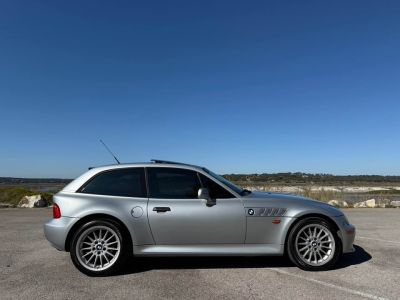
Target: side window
point(216, 191)
point(123, 182)
point(171, 183)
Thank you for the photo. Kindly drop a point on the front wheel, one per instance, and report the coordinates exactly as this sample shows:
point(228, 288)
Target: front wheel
point(313, 245)
point(99, 248)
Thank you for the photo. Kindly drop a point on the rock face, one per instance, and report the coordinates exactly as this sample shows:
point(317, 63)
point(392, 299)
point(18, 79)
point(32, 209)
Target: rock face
point(339, 203)
point(395, 203)
point(33, 201)
point(42, 202)
point(367, 203)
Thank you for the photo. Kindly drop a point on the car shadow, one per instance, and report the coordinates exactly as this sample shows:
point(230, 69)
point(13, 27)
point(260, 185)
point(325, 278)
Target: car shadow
point(354, 258)
point(145, 264)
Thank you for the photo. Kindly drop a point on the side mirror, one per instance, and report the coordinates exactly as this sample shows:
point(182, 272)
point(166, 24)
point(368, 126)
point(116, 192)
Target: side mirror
point(205, 194)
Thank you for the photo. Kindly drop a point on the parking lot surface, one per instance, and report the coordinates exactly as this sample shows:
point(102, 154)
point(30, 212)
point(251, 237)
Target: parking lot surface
point(31, 269)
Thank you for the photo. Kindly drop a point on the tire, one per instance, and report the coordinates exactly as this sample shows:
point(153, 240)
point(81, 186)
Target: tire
point(313, 245)
point(99, 248)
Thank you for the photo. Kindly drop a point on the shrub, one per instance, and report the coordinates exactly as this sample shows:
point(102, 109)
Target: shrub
point(321, 195)
point(14, 195)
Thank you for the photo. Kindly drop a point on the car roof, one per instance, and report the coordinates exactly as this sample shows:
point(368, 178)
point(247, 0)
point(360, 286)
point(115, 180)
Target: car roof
point(78, 182)
point(152, 163)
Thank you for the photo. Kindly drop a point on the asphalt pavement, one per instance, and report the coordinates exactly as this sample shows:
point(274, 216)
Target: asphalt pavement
point(31, 269)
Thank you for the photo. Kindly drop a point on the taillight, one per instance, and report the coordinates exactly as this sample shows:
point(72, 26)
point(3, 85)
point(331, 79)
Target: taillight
point(56, 211)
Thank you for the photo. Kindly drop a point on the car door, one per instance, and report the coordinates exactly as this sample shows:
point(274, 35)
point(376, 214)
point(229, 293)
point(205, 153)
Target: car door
point(178, 217)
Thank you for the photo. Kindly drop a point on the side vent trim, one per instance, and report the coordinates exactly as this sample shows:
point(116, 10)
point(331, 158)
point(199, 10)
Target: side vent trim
point(267, 211)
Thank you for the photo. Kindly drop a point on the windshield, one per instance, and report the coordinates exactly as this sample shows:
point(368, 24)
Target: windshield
point(224, 181)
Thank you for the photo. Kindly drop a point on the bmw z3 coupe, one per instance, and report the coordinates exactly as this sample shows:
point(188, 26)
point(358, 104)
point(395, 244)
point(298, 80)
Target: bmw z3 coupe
point(165, 208)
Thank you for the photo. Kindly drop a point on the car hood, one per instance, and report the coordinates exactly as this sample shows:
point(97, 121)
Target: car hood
point(295, 205)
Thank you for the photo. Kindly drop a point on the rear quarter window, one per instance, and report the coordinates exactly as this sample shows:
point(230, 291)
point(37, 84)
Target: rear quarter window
point(121, 182)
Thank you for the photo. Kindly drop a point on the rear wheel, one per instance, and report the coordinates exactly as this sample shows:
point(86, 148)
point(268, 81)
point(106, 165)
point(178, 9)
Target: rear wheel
point(314, 245)
point(99, 248)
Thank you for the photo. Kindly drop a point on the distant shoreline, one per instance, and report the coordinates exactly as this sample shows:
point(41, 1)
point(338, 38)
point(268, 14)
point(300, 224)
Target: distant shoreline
point(282, 182)
point(265, 179)
point(318, 188)
point(351, 193)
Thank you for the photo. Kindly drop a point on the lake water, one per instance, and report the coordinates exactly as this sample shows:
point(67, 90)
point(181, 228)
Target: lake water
point(51, 189)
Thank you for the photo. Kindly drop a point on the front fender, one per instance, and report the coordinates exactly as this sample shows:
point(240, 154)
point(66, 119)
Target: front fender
point(312, 207)
point(261, 229)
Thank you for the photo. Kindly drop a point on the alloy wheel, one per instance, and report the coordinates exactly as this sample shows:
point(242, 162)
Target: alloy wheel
point(315, 244)
point(98, 248)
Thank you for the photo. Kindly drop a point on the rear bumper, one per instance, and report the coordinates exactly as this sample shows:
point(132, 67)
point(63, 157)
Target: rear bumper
point(56, 231)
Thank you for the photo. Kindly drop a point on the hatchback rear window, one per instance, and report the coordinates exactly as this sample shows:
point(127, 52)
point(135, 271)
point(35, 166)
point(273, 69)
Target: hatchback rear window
point(122, 182)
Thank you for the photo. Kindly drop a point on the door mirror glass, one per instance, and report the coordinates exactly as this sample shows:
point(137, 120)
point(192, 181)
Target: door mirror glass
point(205, 194)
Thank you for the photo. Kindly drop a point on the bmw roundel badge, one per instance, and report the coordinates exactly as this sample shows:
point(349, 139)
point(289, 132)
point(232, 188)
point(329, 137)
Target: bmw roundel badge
point(251, 212)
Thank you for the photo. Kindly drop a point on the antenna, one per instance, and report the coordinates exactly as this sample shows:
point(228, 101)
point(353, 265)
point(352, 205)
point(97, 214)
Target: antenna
point(110, 152)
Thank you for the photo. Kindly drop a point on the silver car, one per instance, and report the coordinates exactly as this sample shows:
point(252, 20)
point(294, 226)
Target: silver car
point(171, 209)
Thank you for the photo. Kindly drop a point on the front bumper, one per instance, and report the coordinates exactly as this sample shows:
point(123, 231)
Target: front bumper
point(347, 233)
point(56, 231)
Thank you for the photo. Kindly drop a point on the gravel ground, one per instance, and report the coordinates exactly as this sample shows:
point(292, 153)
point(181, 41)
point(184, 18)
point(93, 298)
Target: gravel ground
point(31, 269)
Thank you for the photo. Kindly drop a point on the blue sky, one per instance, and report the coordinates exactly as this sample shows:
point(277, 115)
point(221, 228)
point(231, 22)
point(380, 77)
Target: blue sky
point(237, 86)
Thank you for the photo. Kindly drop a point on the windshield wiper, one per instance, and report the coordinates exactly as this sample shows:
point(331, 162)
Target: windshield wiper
point(245, 190)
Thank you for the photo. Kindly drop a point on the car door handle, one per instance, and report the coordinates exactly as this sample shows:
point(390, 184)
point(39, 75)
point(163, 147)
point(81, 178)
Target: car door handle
point(161, 209)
